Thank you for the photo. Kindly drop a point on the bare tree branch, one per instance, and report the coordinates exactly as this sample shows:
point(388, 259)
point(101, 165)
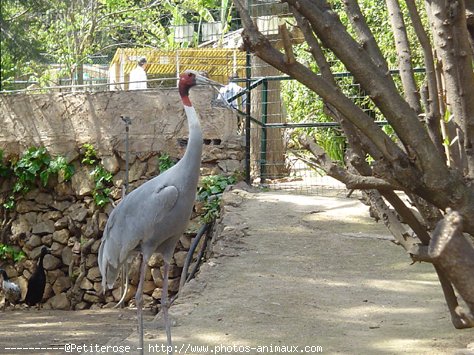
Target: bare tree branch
point(407, 216)
point(450, 35)
point(285, 36)
point(364, 34)
point(404, 55)
point(454, 255)
point(257, 43)
point(381, 88)
point(357, 140)
point(391, 221)
point(353, 181)
point(433, 116)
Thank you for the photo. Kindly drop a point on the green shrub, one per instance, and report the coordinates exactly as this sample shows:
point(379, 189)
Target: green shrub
point(7, 252)
point(210, 192)
point(165, 162)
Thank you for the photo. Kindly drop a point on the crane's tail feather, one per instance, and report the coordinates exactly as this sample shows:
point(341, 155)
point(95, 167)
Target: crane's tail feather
point(115, 248)
point(108, 267)
point(110, 277)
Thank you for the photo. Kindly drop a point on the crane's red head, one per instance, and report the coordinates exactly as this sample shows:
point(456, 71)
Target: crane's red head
point(191, 78)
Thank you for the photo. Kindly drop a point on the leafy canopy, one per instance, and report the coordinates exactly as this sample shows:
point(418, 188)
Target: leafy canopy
point(38, 32)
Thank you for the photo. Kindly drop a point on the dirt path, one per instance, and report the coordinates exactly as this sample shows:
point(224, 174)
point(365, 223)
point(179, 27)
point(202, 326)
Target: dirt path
point(47, 332)
point(308, 271)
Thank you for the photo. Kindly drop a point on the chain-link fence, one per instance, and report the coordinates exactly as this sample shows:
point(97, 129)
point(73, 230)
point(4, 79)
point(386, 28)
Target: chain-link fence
point(281, 111)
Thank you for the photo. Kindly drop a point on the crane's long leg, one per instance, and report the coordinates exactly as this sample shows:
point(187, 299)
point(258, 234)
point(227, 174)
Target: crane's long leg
point(165, 305)
point(139, 301)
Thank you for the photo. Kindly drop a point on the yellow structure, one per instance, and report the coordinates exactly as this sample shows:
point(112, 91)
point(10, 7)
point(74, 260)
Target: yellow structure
point(219, 63)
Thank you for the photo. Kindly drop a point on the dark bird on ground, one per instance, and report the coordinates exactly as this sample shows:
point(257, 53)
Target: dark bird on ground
point(154, 216)
point(10, 289)
point(37, 282)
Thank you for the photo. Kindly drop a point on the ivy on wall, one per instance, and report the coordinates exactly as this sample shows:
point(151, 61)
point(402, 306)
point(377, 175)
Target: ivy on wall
point(33, 169)
point(210, 192)
point(9, 252)
point(102, 177)
point(36, 166)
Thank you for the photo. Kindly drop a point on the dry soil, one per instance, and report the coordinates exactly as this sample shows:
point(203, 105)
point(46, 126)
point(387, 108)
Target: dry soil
point(310, 274)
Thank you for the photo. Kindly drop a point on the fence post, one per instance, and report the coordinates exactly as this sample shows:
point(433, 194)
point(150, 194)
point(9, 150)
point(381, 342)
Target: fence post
point(248, 107)
point(263, 140)
point(127, 122)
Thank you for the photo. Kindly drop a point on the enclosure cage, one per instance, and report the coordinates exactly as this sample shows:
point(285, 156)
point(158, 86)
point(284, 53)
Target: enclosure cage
point(271, 109)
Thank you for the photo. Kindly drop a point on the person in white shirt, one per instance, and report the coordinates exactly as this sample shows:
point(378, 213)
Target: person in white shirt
point(229, 91)
point(138, 76)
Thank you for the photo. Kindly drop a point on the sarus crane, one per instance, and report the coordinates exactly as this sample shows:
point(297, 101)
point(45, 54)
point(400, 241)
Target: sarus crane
point(154, 216)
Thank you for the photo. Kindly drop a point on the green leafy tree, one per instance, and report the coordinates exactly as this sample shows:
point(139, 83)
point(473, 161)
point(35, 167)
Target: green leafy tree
point(35, 32)
point(20, 47)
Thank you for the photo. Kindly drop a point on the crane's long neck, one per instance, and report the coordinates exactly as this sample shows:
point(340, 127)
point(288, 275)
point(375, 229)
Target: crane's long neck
point(192, 156)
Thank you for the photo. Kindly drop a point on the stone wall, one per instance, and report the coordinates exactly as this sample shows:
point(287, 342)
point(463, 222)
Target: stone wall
point(72, 228)
point(63, 122)
point(63, 216)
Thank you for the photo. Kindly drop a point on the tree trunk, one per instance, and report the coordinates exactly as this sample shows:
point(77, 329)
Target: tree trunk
point(80, 74)
point(267, 145)
point(452, 253)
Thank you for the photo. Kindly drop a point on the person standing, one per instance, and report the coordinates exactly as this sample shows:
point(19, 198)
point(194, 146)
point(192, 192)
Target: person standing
point(227, 92)
point(226, 95)
point(138, 76)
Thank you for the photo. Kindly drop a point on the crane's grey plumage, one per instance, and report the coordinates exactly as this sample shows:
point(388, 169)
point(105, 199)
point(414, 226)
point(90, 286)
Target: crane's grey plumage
point(153, 217)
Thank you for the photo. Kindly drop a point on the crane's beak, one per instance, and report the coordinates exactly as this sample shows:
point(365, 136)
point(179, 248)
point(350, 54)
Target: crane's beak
point(202, 79)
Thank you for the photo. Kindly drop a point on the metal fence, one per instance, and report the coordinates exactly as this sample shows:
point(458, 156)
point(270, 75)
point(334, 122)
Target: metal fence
point(273, 127)
point(279, 112)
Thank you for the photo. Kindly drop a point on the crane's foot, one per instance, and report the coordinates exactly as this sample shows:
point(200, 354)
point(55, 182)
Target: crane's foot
point(139, 301)
point(165, 305)
point(159, 323)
